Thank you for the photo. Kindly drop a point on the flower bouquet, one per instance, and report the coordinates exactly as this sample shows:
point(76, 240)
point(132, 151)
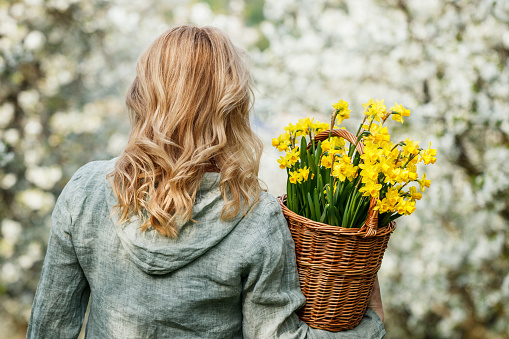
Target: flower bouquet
point(344, 192)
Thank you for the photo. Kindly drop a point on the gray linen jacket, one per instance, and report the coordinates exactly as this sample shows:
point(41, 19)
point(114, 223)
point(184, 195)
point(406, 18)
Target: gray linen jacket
point(218, 279)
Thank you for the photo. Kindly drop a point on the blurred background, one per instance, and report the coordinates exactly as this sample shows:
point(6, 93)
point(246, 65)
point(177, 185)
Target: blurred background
point(65, 66)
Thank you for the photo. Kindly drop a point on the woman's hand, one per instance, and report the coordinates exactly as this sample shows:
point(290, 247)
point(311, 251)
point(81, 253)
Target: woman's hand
point(375, 302)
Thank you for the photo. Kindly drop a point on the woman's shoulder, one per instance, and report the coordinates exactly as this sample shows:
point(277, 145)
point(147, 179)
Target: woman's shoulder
point(267, 208)
point(93, 171)
point(266, 220)
point(90, 176)
point(89, 180)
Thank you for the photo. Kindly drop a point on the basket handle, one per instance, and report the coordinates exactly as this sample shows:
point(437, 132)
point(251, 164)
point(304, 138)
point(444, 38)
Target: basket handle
point(370, 227)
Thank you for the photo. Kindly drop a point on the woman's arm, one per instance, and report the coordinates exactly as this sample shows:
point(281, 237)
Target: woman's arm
point(272, 293)
point(62, 294)
point(375, 302)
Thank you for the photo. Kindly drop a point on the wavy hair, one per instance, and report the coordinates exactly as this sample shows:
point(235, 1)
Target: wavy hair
point(189, 107)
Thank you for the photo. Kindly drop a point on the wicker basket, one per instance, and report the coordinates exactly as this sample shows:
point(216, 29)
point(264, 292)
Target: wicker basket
point(337, 266)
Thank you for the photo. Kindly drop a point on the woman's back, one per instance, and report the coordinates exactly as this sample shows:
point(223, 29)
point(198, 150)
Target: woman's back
point(175, 238)
point(218, 279)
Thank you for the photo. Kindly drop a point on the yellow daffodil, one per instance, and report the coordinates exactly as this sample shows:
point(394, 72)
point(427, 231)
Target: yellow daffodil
point(398, 112)
point(283, 146)
point(383, 206)
point(371, 189)
point(412, 175)
point(301, 129)
point(283, 163)
point(414, 195)
point(306, 122)
point(376, 109)
point(351, 171)
point(341, 110)
point(292, 178)
point(368, 173)
point(403, 176)
point(326, 145)
point(338, 171)
point(392, 196)
point(392, 176)
point(367, 105)
point(342, 115)
point(411, 147)
point(423, 183)
point(304, 172)
point(385, 167)
point(326, 161)
point(282, 142)
point(319, 126)
point(290, 128)
point(293, 156)
point(428, 156)
point(340, 105)
point(296, 177)
point(338, 143)
point(405, 207)
point(379, 135)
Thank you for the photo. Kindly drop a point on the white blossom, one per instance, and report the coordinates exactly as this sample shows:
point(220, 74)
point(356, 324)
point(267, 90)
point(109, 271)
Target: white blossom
point(44, 177)
point(36, 199)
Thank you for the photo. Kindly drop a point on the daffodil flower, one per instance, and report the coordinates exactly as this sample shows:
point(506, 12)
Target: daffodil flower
point(371, 189)
point(385, 168)
point(423, 183)
point(283, 163)
point(398, 112)
point(414, 195)
point(411, 147)
point(304, 172)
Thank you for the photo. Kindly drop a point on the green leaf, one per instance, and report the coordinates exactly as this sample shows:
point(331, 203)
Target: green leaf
point(329, 199)
point(384, 218)
point(345, 194)
point(355, 208)
point(359, 203)
point(338, 214)
point(336, 194)
point(303, 151)
point(318, 153)
point(335, 221)
point(311, 209)
point(345, 221)
point(311, 161)
point(290, 197)
point(321, 194)
point(316, 204)
point(319, 181)
point(302, 201)
point(324, 214)
point(356, 159)
point(395, 216)
point(351, 149)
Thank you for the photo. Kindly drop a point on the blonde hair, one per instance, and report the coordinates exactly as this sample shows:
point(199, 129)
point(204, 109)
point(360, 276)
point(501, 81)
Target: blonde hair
point(189, 107)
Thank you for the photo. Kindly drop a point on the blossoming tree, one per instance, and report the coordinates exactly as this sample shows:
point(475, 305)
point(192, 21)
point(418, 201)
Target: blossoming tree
point(64, 66)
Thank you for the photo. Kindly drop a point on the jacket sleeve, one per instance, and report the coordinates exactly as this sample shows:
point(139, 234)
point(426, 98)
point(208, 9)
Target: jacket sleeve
point(271, 292)
point(62, 294)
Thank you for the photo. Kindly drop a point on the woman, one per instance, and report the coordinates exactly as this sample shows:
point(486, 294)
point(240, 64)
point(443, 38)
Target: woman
point(175, 238)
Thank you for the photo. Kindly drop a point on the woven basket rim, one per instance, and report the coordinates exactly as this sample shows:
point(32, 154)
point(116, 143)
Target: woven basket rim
point(338, 230)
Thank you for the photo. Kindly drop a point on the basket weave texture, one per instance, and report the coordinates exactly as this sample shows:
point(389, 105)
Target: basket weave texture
point(337, 266)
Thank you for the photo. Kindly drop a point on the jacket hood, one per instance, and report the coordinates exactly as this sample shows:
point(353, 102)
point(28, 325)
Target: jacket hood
point(156, 254)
